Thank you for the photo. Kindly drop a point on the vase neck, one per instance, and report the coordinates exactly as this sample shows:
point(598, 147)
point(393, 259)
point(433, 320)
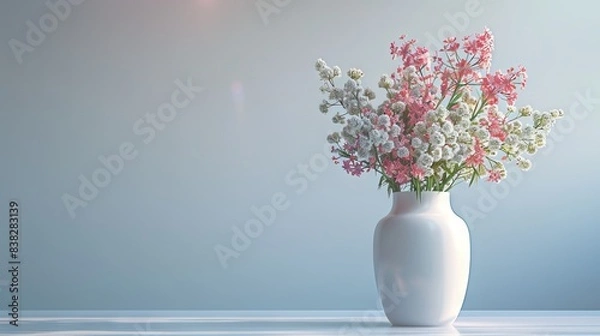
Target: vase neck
point(430, 201)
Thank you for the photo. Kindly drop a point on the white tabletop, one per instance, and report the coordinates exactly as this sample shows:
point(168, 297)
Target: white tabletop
point(296, 323)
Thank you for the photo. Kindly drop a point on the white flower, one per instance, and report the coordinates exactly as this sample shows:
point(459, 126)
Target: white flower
point(483, 134)
point(436, 154)
point(511, 139)
point(523, 163)
point(364, 100)
point(441, 113)
point(458, 158)
point(320, 65)
point(385, 82)
point(324, 107)
point(465, 137)
point(434, 128)
point(333, 138)
point(391, 94)
point(395, 131)
point(473, 129)
point(354, 124)
point(378, 137)
point(510, 109)
point(451, 137)
point(337, 72)
point(336, 94)
point(350, 86)
point(369, 94)
point(540, 140)
point(508, 148)
point(463, 110)
point(454, 117)
point(353, 109)
point(384, 120)
point(447, 127)
point(559, 113)
point(494, 144)
point(384, 137)
point(398, 107)
point(402, 152)
point(544, 121)
point(365, 142)
point(366, 127)
point(425, 160)
point(420, 128)
point(324, 88)
point(437, 139)
point(387, 147)
point(338, 119)
point(363, 153)
point(546, 117)
point(416, 142)
point(455, 148)
point(348, 135)
point(516, 125)
point(531, 149)
point(326, 73)
point(355, 73)
point(431, 116)
point(447, 153)
point(528, 131)
point(467, 149)
point(463, 124)
point(526, 111)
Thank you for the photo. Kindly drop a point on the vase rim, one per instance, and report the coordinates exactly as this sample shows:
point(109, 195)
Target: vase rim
point(401, 201)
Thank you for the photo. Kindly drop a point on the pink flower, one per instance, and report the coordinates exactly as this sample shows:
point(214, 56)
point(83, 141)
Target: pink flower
point(494, 124)
point(500, 84)
point(451, 45)
point(352, 167)
point(481, 47)
point(410, 55)
point(476, 158)
point(494, 175)
point(397, 169)
point(417, 172)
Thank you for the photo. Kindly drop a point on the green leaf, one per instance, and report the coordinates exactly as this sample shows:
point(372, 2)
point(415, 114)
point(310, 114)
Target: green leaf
point(381, 180)
point(475, 173)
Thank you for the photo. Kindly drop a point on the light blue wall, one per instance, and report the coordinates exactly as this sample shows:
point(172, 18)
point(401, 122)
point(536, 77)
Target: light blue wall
point(147, 240)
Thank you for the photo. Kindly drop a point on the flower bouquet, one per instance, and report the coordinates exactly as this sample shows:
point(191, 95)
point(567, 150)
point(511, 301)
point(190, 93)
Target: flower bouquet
point(441, 122)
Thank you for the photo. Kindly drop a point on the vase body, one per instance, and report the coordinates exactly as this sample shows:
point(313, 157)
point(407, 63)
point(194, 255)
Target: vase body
point(421, 257)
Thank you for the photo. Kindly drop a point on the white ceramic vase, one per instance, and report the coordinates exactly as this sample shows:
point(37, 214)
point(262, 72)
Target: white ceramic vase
point(421, 256)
